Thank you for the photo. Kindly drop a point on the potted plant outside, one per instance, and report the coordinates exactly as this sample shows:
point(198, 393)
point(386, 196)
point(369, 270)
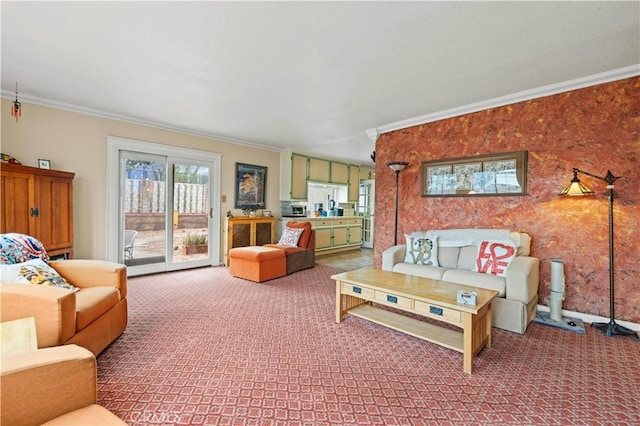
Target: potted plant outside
point(195, 243)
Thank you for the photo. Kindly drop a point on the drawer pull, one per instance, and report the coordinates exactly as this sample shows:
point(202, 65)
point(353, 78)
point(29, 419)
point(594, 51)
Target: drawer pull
point(392, 299)
point(434, 310)
point(357, 289)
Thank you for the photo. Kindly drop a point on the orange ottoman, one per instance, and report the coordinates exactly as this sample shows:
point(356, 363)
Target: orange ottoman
point(257, 263)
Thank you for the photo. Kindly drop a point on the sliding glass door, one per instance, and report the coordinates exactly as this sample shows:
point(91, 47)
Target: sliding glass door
point(163, 207)
point(143, 192)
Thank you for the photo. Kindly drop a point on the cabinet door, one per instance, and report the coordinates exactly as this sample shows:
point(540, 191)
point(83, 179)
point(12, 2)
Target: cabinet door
point(240, 234)
point(339, 172)
point(354, 183)
point(318, 170)
point(17, 202)
point(264, 232)
point(340, 236)
point(54, 198)
point(355, 235)
point(298, 177)
point(323, 238)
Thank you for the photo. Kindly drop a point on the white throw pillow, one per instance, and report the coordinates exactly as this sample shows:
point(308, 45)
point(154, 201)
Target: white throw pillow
point(34, 271)
point(494, 257)
point(290, 237)
point(421, 250)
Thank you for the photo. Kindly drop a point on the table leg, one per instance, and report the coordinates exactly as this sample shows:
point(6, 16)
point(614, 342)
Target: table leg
point(489, 321)
point(338, 301)
point(467, 330)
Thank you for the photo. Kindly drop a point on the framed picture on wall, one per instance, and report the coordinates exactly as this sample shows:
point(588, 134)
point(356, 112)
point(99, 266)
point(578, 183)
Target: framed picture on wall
point(44, 164)
point(251, 183)
point(480, 175)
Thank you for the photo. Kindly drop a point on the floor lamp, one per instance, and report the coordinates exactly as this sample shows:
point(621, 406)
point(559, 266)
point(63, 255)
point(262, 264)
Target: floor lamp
point(576, 188)
point(397, 166)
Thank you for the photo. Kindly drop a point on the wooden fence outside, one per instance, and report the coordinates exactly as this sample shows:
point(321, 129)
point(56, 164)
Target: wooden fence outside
point(148, 196)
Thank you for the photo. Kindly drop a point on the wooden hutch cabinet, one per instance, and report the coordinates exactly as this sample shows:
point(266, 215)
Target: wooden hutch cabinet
point(39, 202)
point(244, 231)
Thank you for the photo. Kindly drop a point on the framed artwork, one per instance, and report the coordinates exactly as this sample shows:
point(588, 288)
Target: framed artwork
point(266, 213)
point(480, 175)
point(44, 164)
point(251, 182)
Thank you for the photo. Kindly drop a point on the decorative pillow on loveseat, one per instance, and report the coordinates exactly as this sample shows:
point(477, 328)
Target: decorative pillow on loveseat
point(421, 250)
point(290, 237)
point(34, 271)
point(494, 257)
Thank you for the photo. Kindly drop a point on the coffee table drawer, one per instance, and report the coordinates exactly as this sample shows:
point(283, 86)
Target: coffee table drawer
point(435, 311)
point(358, 291)
point(391, 299)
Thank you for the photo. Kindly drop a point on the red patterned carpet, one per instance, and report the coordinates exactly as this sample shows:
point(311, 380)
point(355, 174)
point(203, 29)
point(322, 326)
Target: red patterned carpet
point(204, 348)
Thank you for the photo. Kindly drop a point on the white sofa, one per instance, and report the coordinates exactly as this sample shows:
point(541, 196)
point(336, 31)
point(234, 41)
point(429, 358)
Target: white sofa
point(457, 253)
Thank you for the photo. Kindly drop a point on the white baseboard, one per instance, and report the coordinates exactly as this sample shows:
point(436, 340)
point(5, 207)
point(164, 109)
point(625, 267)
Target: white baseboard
point(588, 318)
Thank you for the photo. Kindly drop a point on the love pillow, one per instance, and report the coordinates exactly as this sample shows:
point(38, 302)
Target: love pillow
point(494, 257)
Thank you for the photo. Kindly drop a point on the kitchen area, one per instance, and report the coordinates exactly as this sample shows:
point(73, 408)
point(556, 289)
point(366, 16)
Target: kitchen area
point(330, 195)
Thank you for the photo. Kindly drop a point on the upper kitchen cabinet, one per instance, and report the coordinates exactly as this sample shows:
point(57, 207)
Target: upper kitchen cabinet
point(339, 173)
point(299, 173)
point(354, 183)
point(319, 169)
point(293, 176)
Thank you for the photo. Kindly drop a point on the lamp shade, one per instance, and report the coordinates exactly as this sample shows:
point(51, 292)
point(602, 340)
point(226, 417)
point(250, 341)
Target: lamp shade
point(576, 188)
point(397, 166)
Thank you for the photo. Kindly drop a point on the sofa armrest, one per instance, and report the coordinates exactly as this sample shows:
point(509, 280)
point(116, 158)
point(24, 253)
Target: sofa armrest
point(393, 255)
point(93, 273)
point(40, 385)
point(53, 308)
point(523, 277)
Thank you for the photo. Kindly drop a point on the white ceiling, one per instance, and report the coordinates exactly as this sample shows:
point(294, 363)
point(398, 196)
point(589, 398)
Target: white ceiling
point(311, 76)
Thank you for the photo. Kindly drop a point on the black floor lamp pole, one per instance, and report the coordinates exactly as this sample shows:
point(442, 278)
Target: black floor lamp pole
point(395, 227)
point(397, 167)
point(611, 328)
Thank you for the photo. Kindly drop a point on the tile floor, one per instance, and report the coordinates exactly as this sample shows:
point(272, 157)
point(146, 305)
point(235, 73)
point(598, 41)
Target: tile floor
point(348, 260)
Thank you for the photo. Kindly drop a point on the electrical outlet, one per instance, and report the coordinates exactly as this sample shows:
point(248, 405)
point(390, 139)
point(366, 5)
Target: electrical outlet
point(224, 198)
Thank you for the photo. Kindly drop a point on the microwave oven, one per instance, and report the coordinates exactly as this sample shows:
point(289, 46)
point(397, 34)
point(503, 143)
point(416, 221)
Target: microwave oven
point(294, 211)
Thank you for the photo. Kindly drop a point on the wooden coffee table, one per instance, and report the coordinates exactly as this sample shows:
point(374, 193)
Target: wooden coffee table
point(357, 290)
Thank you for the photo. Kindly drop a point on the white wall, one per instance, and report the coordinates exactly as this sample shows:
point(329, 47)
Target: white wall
point(77, 143)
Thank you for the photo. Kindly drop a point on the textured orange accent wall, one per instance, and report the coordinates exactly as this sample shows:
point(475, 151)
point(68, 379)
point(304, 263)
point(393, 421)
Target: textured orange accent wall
point(594, 129)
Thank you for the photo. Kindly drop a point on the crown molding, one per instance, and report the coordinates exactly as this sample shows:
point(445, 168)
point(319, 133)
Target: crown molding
point(148, 123)
point(525, 95)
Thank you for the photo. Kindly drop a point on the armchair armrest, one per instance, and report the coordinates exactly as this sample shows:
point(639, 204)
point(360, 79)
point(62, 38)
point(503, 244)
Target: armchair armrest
point(53, 308)
point(523, 277)
point(393, 255)
point(93, 273)
point(40, 385)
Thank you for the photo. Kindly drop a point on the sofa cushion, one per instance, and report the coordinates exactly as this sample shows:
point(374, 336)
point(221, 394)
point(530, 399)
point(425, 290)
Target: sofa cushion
point(421, 250)
point(433, 272)
point(92, 302)
point(448, 256)
point(467, 258)
point(476, 279)
point(494, 257)
point(287, 249)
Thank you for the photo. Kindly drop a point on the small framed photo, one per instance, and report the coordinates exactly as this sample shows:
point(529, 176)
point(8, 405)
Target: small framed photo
point(44, 164)
point(266, 213)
